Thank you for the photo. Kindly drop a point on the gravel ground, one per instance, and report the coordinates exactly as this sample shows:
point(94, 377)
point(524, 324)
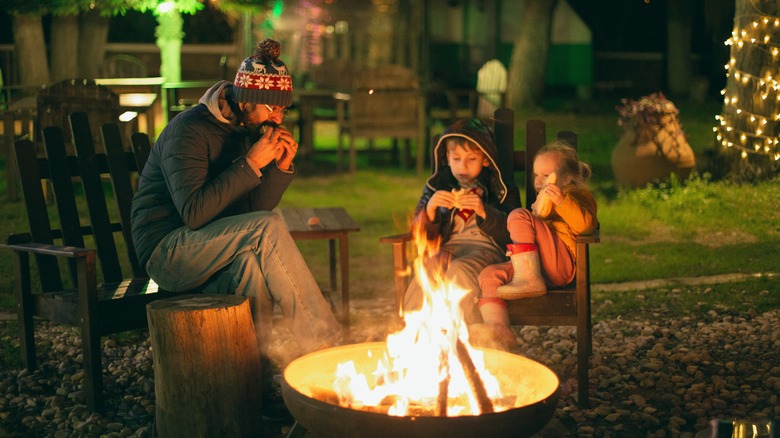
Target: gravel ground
point(650, 376)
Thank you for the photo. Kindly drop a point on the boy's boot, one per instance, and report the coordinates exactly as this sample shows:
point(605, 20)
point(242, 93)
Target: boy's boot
point(527, 280)
point(495, 332)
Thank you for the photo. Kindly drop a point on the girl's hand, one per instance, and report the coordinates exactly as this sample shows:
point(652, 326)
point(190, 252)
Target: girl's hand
point(554, 193)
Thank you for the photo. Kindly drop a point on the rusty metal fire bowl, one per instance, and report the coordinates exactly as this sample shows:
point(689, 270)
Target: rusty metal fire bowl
point(316, 372)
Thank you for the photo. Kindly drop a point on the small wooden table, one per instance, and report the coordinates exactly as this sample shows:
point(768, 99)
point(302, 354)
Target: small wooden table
point(334, 224)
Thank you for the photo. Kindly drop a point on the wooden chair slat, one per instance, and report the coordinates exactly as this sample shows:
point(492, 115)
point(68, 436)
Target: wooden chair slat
point(34, 200)
point(61, 177)
point(141, 149)
point(61, 181)
point(96, 198)
point(119, 164)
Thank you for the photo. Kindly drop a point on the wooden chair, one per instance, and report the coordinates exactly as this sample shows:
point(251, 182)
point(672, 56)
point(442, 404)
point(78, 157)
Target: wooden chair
point(385, 103)
point(334, 74)
point(565, 306)
point(76, 295)
point(58, 100)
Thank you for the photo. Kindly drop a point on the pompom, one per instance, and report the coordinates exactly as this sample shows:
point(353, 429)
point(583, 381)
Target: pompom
point(268, 50)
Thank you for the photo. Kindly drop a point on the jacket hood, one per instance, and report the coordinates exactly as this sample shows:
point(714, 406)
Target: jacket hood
point(215, 100)
point(478, 132)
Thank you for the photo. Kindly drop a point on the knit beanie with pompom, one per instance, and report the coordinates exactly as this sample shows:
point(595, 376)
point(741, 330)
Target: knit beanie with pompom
point(263, 78)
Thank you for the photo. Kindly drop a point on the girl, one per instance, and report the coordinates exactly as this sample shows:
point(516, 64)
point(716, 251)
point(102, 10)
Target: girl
point(564, 209)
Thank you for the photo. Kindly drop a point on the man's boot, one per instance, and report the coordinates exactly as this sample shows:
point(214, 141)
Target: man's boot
point(527, 281)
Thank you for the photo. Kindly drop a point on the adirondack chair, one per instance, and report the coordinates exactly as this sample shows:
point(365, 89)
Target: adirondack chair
point(76, 295)
point(58, 100)
point(385, 103)
point(569, 305)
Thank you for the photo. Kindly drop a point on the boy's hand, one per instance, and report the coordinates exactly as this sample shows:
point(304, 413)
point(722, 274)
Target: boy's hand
point(440, 198)
point(470, 201)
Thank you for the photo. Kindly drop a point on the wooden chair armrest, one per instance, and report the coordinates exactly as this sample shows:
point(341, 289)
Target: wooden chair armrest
point(46, 249)
point(589, 238)
point(396, 238)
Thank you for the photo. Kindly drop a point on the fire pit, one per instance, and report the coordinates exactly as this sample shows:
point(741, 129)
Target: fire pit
point(530, 389)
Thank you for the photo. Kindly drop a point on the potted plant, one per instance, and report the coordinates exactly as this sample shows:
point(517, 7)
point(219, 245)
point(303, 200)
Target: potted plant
point(653, 144)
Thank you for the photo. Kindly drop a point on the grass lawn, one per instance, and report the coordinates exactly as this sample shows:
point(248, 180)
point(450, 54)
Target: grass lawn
point(696, 228)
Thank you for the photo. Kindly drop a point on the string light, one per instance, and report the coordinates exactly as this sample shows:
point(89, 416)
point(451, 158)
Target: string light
point(750, 122)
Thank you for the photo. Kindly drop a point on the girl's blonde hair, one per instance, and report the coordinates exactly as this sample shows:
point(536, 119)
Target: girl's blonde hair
point(568, 161)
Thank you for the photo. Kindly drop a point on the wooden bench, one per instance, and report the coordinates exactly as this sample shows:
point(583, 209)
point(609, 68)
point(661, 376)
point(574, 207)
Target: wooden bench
point(565, 306)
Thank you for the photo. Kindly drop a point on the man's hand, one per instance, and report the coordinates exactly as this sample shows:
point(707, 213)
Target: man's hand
point(276, 144)
point(264, 150)
point(287, 150)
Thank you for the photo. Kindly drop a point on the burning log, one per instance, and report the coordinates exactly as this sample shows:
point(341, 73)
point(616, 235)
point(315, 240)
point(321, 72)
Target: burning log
point(475, 381)
point(326, 395)
point(444, 384)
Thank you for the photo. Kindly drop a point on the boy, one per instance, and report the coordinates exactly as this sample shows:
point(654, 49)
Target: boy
point(465, 202)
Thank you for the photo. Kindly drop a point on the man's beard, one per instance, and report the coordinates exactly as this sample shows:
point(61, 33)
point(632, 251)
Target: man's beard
point(255, 129)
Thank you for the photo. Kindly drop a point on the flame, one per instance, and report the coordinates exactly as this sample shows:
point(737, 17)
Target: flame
point(423, 369)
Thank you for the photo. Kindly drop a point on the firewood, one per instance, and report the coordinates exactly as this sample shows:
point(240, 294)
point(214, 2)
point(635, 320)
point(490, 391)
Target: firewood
point(324, 395)
point(444, 383)
point(472, 376)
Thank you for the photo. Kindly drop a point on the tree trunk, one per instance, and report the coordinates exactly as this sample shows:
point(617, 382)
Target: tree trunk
point(381, 38)
point(206, 366)
point(748, 127)
point(169, 39)
point(678, 47)
point(529, 57)
point(92, 43)
point(30, 49)
point(64, 47)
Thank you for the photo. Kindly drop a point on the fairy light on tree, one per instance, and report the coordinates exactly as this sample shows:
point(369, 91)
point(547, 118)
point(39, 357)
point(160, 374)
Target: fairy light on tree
point(749, 124)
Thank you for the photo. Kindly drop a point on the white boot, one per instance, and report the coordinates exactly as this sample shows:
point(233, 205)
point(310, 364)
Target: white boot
point(527, 281)
point(495, 331)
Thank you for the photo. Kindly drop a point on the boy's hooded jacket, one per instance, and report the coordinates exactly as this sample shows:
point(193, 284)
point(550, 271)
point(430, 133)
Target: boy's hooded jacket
point(197, 173)
point(499, 198)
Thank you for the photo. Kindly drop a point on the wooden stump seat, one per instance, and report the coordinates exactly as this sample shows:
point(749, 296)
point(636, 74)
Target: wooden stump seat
point(206, 366)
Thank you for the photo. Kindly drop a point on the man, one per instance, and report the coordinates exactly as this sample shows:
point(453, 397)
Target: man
point(202, 218)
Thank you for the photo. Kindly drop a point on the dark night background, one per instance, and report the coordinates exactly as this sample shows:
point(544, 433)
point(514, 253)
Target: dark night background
point(637, 26)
